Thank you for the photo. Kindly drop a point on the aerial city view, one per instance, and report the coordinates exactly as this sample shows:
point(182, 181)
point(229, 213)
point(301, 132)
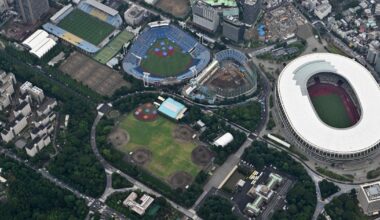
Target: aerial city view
point(190, 109)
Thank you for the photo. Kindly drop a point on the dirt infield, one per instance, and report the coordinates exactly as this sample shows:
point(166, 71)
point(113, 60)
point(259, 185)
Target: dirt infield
point(146, 112)
point(142, 156)
point(227, 77)
point(118, 138)
point(178, 8)
point(180, 180)
point(98, 77)
point(201, 156)
point(183, 133)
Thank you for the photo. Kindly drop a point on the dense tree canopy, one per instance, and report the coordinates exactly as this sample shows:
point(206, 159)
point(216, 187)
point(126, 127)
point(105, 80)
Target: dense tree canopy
point(29, 196)
point(345, 207)
point(327, 188)
point(216, 208)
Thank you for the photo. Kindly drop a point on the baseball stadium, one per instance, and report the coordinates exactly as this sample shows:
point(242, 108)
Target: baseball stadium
point(89, 26)
point(329, 105)
point(228, 76)
point(164, 54)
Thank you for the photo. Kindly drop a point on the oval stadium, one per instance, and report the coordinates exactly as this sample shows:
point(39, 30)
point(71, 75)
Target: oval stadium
point(330, 106)
point(165, 54)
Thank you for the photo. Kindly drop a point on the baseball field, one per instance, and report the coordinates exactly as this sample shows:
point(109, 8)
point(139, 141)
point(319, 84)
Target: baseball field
point(85, 26)
point(167, 155)
point(165, 59)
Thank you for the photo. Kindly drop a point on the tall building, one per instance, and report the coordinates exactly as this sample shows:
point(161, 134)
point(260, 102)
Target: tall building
point(372, 55)
point(233, 29)
point(3, 5)
point(32, 10)
point(369, 198)
point(205, 16)
point(251, 10)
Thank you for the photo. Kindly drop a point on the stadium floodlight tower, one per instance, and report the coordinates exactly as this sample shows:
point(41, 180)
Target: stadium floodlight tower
point(146, 79)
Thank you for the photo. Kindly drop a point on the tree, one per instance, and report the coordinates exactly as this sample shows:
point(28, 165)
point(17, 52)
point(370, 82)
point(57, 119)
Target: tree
point(216, 208)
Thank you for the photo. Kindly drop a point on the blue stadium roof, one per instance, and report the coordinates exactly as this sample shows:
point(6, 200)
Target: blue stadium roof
point(172, 108)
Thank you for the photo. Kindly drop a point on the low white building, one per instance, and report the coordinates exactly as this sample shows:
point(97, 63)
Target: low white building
point(23, 109)
point(224, 140)
point(138, 207)
point(39, 43)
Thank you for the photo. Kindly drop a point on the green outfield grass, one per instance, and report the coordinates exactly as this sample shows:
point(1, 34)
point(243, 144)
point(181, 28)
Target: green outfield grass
point(113, 47)
point(86, 26)
point(166, 66)
point(169, 155)
point(331, 110)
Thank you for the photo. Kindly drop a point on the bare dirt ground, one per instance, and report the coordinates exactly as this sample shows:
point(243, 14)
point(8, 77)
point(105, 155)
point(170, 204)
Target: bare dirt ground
point(98, 77)
point(178, 8)
point(142, 156)
point(180, 180)
point(118, 138)
point(201, 156)
point(183, 133)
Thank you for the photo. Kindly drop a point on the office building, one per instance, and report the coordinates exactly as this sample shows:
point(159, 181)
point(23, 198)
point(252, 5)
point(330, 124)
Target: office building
point(369, 198)
point(233, 29)
point(32, 10)
point(205, 17)
point(251, 11)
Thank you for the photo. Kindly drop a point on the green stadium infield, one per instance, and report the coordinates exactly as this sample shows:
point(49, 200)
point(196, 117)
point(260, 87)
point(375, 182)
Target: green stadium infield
point(85, 26)
point(167, 155)
point(174, 63)
point(331, 110)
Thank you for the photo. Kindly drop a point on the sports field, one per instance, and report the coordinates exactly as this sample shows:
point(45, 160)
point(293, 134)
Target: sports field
point(331, 110)
point(168, 155)
point(165, 59)
point(86, 26)
point(113, 47)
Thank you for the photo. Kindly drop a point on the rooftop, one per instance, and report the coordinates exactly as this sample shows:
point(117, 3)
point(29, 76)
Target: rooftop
point(295, 101)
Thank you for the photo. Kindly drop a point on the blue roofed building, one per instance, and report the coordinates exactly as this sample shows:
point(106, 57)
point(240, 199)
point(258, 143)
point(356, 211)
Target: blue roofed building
point(172, 109)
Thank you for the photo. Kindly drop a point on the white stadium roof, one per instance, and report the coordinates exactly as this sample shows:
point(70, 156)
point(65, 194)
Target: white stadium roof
point(102, 7)
point(296, 104)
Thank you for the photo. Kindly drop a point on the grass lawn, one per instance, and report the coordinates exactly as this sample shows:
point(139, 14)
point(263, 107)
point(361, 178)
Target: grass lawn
point(169, 155)
point(170, 65)
point(331, 110)
point(86, 26)
point(113, 47)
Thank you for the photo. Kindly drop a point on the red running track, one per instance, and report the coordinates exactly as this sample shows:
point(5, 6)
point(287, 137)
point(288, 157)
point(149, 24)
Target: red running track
point(321, 89)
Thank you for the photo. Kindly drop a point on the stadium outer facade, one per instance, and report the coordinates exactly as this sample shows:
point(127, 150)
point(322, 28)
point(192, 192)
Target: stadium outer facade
point(306, 129)
point(163, 29)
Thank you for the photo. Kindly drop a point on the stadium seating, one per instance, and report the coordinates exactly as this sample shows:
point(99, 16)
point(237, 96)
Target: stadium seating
point(115, 21)
point(235, 54)
point(150, 35)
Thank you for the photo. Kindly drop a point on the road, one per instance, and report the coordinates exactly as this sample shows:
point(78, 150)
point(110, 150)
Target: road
point(109, 168)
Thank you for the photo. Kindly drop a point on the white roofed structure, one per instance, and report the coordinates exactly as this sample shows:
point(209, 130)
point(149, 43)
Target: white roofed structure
point(224, 140)
point(299, 115)
point(39, 43)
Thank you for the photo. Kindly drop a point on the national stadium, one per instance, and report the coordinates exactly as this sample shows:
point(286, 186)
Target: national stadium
point(330, 106)
point(164, 54)
point(228, 76)
point(89, 26)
